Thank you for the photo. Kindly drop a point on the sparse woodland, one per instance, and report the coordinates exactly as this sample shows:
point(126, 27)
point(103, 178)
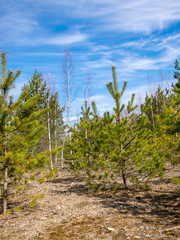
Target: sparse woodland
point(122, 150)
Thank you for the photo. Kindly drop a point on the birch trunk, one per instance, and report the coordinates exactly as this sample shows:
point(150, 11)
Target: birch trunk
point(69, 100)
point(55, 135)
point(49, 135)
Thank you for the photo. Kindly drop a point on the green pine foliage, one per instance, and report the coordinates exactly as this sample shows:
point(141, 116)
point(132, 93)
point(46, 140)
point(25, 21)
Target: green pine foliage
point(36, 91)
point(134, 151)
point(114, 145)
point(126, 145)
point(57, 124)
point(83, 143)
point(164, 107)
point(113, 90)
point(36, 87)
point(155, 104)
point(33, 99)
point(168, 124)
point(176, 99)
point(19, 132)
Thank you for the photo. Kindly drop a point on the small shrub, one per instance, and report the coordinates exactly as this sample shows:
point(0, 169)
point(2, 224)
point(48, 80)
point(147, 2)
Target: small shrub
point(42, 180)
point(18, 209)
point(35, 199)
point(175, 180)
point(8, 211)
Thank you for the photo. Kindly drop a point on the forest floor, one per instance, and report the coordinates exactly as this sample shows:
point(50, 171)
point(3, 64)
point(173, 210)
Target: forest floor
point(69, 211)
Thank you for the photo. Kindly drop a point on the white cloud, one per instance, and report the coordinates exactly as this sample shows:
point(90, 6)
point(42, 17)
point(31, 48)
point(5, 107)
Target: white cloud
point(96, 98)
point(104, 15)
point(16, 21)
point(41, 39)
point(131, 16)
point(88, 24)
point(153, 42)
point(15, 25)
point(66, 39)
point(145, 54)
point(99, 63)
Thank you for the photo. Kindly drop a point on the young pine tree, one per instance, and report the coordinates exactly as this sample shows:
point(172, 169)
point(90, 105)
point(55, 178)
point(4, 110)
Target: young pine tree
point(18, 132)
point(132, 150)
point(84, 144)
point(168, 122)
point(6, 83)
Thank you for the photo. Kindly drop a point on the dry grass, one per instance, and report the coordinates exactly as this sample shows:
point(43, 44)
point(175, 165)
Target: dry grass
point(70, 211)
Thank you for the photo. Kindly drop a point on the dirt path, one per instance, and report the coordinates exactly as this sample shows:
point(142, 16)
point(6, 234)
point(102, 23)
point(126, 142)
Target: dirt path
point(69, 211)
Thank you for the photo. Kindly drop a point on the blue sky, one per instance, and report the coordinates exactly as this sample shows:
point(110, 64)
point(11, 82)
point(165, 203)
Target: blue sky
point(140, 37)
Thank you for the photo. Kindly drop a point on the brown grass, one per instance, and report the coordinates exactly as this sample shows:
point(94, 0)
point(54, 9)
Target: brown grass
point(70, 211)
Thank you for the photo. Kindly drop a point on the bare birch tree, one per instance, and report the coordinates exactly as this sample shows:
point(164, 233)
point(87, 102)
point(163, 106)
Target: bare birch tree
point(151, 91)
point(87, 95)
point(88, 86)
point(55, 123)
point(69, 87)
point(69, 90)
point(49, 125)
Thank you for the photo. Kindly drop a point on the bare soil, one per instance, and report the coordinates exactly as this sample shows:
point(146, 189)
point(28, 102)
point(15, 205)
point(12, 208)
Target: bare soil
point(69, 210)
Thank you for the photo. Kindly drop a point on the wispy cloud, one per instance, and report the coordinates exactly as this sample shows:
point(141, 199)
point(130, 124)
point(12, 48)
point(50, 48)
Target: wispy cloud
point(15, 25)
point(24, 22)
point(134, 15)
point(66, 39)
point(146, 53)
point(116, 15)
point(138, 36)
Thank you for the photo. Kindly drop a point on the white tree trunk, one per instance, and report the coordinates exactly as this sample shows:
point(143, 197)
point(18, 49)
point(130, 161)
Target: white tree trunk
point(49, 134)
point(55, 135)
point(69, 100)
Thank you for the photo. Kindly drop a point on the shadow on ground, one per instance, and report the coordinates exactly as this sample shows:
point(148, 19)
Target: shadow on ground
point(141, 203)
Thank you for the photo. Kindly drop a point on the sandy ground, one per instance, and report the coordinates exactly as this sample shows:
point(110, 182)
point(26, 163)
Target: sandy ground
point(69, 210)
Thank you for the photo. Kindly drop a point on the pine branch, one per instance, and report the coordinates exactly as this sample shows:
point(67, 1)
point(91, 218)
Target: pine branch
point(110, 89)
point(115, 79)
point(123, 89)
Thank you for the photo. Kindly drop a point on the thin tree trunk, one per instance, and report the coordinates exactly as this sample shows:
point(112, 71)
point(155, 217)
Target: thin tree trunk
point(123, 165)
point(152, 114)
point(5, 185)
point(49, 135)
point(5, 189)
point(151, 94)
point(69, 101)
point(123, 172)
point(55, 135)
point(62, 154)
point(124, 177)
